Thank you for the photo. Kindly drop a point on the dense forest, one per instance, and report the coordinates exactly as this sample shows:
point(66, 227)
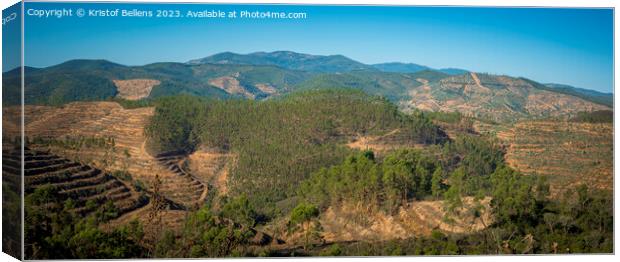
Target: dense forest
point(280, 142)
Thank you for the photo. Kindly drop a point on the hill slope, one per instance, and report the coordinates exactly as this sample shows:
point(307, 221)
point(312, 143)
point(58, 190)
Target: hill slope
point(264, 75)
point(397, 67)
point(587, 94)
point(494, 97)
point(92, 80)
point(287, 59)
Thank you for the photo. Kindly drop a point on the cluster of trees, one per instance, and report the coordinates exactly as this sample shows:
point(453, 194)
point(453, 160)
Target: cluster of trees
point(279, 142)
point(600, 116)
point(526, 222)
point(55, 229)
point(461, 167)
point(400, 177)
point(205, 234)
point(174, 127)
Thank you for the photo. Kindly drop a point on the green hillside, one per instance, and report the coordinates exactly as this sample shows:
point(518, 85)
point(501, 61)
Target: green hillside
point(587, 94)
point(91, 80)
point(396, 67)
point(393, 86)
point(288, 60)
point(279, 142)
point(264, 75)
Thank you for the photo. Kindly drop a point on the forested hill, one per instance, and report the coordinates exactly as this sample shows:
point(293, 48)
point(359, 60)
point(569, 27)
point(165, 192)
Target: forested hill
point(95, 80)
point(280, 142)
point(289, 60)
point(262, 75)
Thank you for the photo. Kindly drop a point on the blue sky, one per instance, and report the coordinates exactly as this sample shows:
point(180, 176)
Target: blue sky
point(11, 43)
point(568, 46)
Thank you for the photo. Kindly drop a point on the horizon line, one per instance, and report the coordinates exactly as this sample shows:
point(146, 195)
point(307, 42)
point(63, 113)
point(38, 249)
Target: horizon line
point(268, 52)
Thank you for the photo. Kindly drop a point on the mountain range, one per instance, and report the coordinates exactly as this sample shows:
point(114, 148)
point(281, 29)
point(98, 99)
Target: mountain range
point(262, 75)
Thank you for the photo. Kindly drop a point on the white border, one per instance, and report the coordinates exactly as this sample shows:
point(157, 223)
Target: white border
point(496, 3)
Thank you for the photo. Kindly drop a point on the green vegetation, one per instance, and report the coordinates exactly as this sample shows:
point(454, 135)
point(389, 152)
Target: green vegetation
point(240, 210)
point(402, 176)
point(287, 59)
point(280, 142)
point(205, 235)
point(304, 218)
point(526, 221)
point(173, 128)
point(54, 230)
point(393, 86)
point(587, 94)
point(291, 164)
point(601, 116)
point(407, 175)
point(11, 215)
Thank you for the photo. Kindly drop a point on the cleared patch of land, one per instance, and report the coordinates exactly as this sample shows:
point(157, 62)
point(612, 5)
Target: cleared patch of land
point(498, 98)
point(390, 141)
point(231, 85)
point(568, 153)
point(419, 218)
point(106, 136)
point(212, 167)
point(86, 186)
point(135, 89)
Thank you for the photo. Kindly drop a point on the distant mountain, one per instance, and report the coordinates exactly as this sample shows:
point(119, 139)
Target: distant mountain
point(86, 80)
point(453, 71)
point(494, 97)
point(264, 75)
point(288, 60)
point(393, 86)
point(587, 94)
point(397, 67)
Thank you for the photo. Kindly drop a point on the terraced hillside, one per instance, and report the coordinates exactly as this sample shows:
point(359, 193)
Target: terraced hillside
point(212, 167)
point(88, 187)
point(568, 153)
point(185, 187)
point(492, 97)
point(67, 131)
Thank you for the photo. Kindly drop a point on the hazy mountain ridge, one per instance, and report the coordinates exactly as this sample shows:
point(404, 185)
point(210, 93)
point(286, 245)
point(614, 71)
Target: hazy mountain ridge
point(587, 94)
point(397, 67)
point(287, 59)
point(262, 75)
point(496, 98)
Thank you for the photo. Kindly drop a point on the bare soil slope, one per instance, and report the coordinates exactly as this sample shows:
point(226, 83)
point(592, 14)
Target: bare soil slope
point(568, 153)
point(135, 89)
point(492, 97)
point(126, 128)
point(420, 218)
point(73, 180)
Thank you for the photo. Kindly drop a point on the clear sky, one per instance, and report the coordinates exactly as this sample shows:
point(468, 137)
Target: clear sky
point(568, 46)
